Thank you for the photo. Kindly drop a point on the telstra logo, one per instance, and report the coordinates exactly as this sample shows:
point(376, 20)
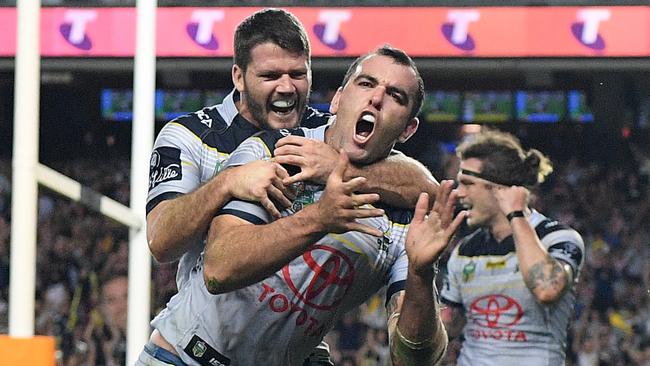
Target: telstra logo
point(586, 28)
point(201, 26)
point(456, 30)
point(73, 28)
point(328, 28)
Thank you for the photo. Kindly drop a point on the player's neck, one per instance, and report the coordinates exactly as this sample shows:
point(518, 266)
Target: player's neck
point(500, 228)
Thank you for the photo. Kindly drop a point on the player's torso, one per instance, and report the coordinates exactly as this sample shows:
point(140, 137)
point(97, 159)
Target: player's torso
point(279, 320)
point(505, 323)
point(208, 137)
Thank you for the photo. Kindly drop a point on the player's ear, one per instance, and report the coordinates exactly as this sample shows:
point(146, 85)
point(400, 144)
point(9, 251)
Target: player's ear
point(238, 77)
point(334, 104)
point(409, 130)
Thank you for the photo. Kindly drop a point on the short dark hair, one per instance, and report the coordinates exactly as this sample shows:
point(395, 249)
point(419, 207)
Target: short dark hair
point(504, 159)
point(401, 58)
point(269, 25)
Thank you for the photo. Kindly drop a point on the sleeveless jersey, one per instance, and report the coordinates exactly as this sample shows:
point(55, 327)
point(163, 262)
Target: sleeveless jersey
point(505, 324)
point(192, 149)
point(279, 321)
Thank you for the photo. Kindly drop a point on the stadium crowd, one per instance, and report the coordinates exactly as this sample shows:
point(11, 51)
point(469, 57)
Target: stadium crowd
point(82, 266)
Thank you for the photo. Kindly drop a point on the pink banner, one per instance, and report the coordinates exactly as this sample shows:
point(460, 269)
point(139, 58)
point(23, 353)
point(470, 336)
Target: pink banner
point(423, 32)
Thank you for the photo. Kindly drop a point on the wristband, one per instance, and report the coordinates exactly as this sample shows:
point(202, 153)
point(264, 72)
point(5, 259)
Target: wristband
point(514, 214)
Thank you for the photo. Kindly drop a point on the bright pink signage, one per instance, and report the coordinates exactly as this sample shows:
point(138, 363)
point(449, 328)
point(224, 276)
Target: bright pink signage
point(423, 32)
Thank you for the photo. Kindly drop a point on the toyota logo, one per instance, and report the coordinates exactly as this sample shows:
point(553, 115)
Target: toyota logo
point(323, 286)
point(494, 311)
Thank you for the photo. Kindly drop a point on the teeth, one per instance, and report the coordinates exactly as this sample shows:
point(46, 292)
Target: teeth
point(368, 118)
point(284, 103)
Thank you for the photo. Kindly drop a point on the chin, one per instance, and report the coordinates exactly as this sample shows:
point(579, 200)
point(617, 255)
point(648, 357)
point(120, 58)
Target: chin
point(358, 156)
point(276, 124)
point(471, 222)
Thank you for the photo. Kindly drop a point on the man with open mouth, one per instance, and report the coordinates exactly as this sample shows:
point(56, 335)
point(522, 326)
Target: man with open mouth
point(272, 78)
point(267, 290)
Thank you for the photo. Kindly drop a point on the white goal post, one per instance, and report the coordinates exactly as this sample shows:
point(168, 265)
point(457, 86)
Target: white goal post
point(27, 173)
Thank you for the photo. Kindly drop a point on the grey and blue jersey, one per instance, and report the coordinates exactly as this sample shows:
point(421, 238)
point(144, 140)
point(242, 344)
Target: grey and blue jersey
point(506, 325)
point(279, 320)
point(192, 149)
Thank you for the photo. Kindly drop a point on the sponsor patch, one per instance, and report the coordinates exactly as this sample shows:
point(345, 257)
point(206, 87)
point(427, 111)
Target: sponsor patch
point(204, 354)
point(165, 165)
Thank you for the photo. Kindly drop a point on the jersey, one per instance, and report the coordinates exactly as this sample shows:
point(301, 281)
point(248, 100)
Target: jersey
point(279, 320)
point(505, 324)
point(192, 149)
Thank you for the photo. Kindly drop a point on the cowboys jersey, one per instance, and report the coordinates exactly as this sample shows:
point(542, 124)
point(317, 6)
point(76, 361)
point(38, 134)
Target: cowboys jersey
point(505, 324)
point(192, 149)
point(279, 321)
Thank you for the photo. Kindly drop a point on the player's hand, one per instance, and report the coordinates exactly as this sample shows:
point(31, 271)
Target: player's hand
point(340, 207)
point(430, 232)
point(316, 159)
point(261, 181)
point(511, 198)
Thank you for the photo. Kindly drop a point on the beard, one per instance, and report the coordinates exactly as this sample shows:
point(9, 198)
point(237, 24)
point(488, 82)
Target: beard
point(263, 113)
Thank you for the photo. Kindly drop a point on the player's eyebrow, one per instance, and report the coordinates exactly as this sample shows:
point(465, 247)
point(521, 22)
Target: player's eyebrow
point(389, 89)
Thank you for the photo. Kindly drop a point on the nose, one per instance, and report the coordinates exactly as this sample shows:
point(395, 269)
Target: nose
point(285, 84)
point(377, 97)
point(461, 192)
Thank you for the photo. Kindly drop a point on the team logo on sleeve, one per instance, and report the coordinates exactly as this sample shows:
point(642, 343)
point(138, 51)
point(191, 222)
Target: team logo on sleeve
point(567, 251)
point(165, 165)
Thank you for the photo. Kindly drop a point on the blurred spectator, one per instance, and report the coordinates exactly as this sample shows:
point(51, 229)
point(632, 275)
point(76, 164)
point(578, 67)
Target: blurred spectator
point(350, 335)
point(105, 333)
point(375, 351)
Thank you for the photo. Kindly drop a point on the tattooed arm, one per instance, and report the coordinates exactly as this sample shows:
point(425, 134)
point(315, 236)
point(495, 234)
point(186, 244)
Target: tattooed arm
point(546, 277)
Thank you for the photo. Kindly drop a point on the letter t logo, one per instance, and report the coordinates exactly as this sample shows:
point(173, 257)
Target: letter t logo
point(73, 29)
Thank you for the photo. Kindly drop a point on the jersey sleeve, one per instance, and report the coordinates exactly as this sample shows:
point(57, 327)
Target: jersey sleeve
point(175, 164)
point(250, 150)
point(565, 244)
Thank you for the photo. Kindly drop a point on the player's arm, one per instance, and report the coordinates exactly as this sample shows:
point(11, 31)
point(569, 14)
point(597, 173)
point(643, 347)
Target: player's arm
point(174, 225)
point(238, 253)
point(398, 179)
point(546, 277)
point(417, 334)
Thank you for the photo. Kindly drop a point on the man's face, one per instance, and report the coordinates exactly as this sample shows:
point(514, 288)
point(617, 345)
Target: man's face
point(114, 301)
point(275, 87)
point(475, 195)
point(373, 109)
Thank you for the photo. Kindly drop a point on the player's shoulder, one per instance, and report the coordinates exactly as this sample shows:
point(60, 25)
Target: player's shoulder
point(553, 230)
point(548, 225)
point(202, 122)
point(313, 118)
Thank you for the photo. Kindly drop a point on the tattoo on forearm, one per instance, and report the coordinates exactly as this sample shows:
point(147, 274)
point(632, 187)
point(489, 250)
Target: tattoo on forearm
point(545, 274)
